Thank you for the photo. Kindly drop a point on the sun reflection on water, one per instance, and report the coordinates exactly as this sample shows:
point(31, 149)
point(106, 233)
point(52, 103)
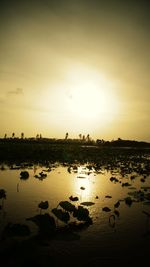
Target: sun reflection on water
point(83, 183)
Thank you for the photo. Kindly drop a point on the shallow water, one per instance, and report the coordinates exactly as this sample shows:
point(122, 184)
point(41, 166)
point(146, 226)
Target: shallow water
point(129, 230)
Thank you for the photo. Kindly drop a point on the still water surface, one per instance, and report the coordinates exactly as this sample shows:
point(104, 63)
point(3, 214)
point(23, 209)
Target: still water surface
point(131, 227)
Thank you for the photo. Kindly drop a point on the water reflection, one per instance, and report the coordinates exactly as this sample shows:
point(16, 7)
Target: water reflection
point(112, 207)
point(84, 193)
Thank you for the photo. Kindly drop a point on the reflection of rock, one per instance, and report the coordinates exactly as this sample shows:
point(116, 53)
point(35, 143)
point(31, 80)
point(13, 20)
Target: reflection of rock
point(46, 224)
point(128, 201)
point(117, 213)
point(73, 198)
point(2, 193)
point(112, 220)
point(16, 230)
point(77, 226)
point(146, 213)
point(87, 203)
point(67, 234)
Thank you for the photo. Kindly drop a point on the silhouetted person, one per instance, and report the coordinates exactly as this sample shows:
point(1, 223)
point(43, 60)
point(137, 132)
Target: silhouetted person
point(22, 135)
point(66, 137)
point(80, 136)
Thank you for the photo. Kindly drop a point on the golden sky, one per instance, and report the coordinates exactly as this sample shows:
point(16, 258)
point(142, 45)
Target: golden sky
point(75, 66)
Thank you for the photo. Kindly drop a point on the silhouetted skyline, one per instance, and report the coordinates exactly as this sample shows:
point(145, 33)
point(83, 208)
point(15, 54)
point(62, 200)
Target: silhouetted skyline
point(75, 66)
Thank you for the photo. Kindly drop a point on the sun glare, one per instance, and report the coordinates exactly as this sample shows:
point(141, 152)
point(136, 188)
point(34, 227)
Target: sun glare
point(84, 101)
point(91, 96)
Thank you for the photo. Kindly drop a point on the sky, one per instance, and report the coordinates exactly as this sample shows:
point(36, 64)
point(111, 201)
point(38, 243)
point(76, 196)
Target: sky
point(76, 66)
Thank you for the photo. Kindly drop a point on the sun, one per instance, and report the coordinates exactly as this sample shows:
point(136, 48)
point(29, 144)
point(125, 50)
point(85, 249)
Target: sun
point(91, 96)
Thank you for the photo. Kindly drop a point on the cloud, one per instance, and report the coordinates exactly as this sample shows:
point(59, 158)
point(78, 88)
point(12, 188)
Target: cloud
point(18, 91)
point(1, 100)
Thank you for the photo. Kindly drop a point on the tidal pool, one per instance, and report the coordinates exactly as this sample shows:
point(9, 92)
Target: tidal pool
point(118, 203)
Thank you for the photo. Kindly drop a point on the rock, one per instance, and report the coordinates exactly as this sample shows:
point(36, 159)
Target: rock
point(43, 205)
point(24, 175)
point(106, 209)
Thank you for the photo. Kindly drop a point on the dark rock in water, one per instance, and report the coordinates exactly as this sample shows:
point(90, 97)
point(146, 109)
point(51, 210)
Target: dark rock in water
point(106, 209)
point(128, 201)
point(132, 177)
point(61, 215)
point(24, 175)
point(126, 184)
point(114, 179)
point(43, 205)
point(73, 198)
point(69, 169)
point(145, 188)
point(16, 230)
point(117, 204)
point(82, 188)
point(2, 193)
point(66, 205)
point(47, 170)
point(43, 175)
point(46, 224)
point(138, 195)
point(82, 214)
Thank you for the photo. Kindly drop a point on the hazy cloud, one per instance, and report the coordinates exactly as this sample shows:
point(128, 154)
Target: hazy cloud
point(1, 100)
point(17, 91)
